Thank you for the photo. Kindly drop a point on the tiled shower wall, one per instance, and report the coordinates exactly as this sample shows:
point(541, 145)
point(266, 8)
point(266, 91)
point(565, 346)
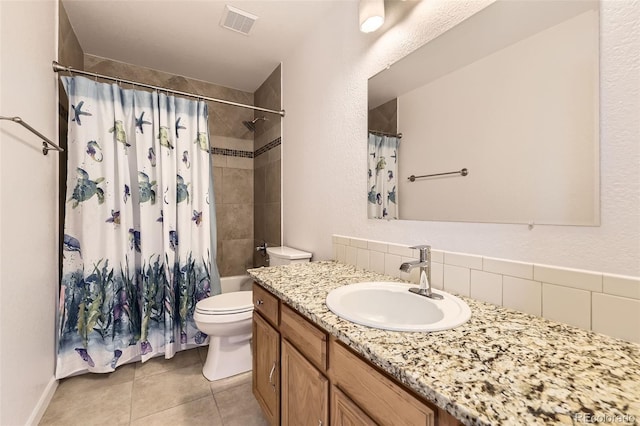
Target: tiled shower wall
point(384, 118)
point(69, 53)
point(605, 303)
point(233, 152)
point(267, 167)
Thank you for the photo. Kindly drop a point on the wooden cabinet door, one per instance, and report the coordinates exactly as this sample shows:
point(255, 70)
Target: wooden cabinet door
point(266, 368)
point(305, 391)
point(384, 401)
point(345, 412)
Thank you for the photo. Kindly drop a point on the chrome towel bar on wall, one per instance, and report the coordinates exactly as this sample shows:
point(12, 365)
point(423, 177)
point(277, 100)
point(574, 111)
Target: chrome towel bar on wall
point(462, 172)
point(46, 143)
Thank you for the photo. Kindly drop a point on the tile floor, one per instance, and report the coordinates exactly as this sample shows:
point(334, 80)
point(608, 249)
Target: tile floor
point(158, 392)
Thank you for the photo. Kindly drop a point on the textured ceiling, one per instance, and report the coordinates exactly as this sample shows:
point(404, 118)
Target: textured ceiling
point(185, 37)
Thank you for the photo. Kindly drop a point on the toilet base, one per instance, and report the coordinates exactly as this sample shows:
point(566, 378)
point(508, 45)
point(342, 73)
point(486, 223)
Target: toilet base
point(227, 356)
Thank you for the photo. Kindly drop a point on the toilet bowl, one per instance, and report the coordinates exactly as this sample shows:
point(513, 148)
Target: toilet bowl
point(226, 318)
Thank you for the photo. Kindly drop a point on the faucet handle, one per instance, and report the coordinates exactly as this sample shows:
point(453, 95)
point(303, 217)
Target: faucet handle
point(425, 252)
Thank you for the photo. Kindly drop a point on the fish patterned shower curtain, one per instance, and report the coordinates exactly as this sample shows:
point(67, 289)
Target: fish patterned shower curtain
point(382, 188)
point(139, 235)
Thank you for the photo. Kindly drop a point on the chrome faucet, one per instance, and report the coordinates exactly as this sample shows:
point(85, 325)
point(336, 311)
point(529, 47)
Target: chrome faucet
point(263, 248)
point(425, 272)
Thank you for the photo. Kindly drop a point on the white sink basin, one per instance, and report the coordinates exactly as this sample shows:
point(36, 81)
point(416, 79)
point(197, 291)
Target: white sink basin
point(390, 306)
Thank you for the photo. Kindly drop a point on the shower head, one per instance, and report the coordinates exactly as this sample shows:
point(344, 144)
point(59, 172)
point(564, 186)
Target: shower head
point(251, 125)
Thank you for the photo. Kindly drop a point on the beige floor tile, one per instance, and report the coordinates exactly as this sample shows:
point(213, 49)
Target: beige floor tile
point(238, 407)
point(101, 405)
point(162, 391)
point(161, 364)
point(77, 385)
point(202, 411)
point(202, 351)
point(230, 382)
point(168, 393)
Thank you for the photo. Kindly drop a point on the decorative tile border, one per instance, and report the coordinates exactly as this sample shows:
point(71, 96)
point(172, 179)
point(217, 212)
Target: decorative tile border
point(604, 303)
point(274, 143)
point(232, 152)
point(247, 154)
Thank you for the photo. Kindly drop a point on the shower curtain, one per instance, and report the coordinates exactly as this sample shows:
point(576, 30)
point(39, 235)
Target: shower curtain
point(382, 188)
point(139, 244)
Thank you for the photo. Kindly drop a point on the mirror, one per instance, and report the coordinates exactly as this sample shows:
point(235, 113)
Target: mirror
point(512, 95)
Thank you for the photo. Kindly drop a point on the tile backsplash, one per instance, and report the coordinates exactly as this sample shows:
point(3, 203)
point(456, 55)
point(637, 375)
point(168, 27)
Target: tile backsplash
point(604, 303)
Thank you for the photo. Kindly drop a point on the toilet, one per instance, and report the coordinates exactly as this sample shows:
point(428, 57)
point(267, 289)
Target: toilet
point(226, 319)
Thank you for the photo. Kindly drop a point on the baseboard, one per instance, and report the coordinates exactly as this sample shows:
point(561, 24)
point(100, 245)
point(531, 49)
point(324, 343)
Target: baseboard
point(43, 402)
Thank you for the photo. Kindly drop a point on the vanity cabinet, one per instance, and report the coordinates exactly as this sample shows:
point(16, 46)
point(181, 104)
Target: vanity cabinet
point(266, 354)
point(345, 412)
point(305, 391)
point(305, 388)
point(267, 305)
point(373, 392)
point(301, 376)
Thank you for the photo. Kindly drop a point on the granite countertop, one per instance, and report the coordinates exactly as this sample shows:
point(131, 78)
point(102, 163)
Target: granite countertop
point(501, 367)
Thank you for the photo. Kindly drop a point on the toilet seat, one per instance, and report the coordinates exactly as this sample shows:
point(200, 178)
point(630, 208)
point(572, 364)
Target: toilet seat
point(236, 302)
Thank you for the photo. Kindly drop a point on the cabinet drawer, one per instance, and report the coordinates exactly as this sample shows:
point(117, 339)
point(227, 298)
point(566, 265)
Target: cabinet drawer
point(265, 303)
point(306, 337)
point(383, 400)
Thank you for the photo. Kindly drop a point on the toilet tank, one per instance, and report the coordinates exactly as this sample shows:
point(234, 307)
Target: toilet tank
point(286, 255)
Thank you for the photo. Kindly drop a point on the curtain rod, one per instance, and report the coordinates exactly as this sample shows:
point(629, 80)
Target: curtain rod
point(61, 68)
point(381, 133)
point(47, 145)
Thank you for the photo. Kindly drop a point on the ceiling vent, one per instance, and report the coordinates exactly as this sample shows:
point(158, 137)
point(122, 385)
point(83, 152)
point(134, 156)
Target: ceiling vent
point(237, 20)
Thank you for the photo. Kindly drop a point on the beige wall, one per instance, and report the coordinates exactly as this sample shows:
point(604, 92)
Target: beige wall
point(267, 167)
point(28, 219)
point(233, 165)
point(324, 162)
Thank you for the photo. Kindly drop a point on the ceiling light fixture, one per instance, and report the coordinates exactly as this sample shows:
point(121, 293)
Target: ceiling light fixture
point(371, 14)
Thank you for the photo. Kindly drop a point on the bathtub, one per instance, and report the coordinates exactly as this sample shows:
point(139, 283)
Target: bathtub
point(236, 283)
